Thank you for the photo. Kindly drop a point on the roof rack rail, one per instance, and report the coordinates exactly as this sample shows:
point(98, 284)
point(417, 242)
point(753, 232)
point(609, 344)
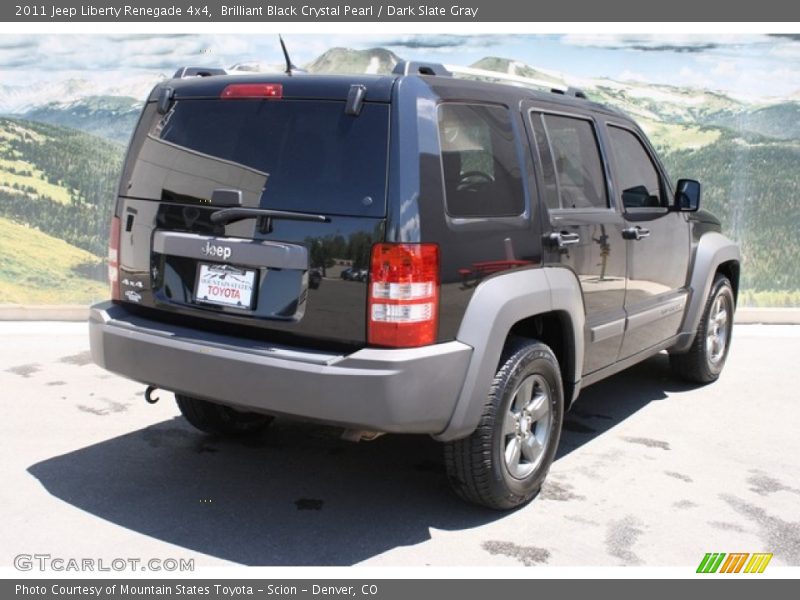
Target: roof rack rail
point(425, 68)
point(497, 75)
point(571, 91)
point(198, 72)
point(412, 67)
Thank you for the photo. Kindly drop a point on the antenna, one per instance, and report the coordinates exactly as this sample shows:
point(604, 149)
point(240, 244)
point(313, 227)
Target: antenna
point(289, 66)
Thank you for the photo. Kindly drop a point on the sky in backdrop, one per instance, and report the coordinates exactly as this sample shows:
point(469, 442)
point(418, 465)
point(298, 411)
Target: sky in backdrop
point(750, 67)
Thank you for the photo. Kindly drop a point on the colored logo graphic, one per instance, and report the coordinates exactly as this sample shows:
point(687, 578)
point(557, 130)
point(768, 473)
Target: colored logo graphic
point(736, 562)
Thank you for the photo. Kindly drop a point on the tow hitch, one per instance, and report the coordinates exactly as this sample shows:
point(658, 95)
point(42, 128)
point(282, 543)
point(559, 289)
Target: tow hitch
point(148, 394)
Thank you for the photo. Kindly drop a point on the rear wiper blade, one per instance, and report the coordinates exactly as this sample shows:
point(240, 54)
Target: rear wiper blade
point(264, 216)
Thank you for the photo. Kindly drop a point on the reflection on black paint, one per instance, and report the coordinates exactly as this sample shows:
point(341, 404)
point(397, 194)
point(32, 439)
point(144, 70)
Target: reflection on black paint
point(334, 309)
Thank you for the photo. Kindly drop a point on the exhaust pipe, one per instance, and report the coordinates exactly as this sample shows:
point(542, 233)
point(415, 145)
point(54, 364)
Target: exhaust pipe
point(148, 394)
point(358, 435)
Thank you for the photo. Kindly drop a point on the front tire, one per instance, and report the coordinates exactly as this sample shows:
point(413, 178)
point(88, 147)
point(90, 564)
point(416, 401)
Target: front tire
point(704, 361)
point(210, 417)
point(504, 462)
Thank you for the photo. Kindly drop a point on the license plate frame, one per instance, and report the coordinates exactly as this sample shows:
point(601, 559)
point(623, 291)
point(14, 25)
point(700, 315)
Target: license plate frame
point(213, 279)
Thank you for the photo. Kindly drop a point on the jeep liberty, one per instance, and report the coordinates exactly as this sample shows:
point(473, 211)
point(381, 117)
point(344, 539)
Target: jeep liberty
point(415, 253)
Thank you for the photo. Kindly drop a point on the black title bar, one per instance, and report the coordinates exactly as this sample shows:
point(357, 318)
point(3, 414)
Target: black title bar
point(384, 589)
point(310, 11)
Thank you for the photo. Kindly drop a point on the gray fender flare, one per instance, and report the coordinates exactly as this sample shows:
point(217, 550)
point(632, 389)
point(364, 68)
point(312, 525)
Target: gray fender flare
point(496, 305)
point(712, 250)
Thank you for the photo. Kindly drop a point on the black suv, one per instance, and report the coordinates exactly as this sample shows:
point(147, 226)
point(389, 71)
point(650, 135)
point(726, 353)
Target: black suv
point(517, 245)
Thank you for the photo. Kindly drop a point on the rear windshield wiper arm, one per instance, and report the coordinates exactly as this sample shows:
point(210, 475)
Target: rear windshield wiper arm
point(264, 216)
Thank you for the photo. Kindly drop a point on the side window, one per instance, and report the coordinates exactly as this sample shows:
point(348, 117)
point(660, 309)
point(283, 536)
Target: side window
point(634, 171)
point(576, 157)
point(480, 164)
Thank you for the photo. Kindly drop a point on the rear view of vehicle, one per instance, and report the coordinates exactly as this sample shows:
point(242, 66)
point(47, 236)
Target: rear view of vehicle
point(413, 253)
point(240, 201)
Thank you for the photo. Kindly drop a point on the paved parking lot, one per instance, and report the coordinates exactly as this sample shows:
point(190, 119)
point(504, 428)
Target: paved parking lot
point(650, 472)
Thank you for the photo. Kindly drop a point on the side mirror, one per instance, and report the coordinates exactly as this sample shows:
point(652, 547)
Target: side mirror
point(687, 195)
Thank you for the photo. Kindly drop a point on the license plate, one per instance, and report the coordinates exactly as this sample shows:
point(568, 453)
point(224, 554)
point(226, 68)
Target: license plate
point(225, 285)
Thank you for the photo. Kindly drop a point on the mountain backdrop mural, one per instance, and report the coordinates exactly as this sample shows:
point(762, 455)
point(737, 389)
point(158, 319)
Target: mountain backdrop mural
point(61, 147)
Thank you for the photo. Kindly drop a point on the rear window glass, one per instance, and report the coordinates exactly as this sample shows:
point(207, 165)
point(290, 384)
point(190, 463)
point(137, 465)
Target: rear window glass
point(306, 156)
point(480, 164)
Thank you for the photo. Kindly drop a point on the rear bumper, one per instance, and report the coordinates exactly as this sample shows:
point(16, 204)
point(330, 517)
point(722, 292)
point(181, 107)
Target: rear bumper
point(404, 391)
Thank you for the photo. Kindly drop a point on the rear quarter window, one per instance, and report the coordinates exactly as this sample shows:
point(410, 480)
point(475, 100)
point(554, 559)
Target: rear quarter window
point(480, 165)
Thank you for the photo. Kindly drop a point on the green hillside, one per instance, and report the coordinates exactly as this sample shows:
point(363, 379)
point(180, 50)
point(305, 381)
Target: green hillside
point(58, 180)
point(671, 136)
point(781, 121)
point(40, 269)
point(754, 187)
point(24, 177)
point(666, 103)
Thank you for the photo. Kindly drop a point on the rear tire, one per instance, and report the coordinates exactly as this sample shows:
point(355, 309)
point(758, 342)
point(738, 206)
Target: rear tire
point(704, 361)
point(504, 462)
point(210, 417)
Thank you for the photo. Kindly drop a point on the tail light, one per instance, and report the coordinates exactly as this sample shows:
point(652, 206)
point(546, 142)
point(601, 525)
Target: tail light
point(403, 309)
point(252, 90)
point(113, 258)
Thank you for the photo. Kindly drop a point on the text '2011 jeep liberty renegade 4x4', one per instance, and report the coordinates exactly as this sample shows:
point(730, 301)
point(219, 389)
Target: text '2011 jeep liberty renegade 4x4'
point(414, 253)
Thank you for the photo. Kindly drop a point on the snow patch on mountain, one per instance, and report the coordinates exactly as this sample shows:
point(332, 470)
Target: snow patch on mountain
point(21, 98)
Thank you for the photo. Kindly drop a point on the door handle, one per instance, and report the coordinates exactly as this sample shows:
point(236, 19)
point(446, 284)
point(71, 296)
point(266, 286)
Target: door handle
point(562, 239)
point(635, 233)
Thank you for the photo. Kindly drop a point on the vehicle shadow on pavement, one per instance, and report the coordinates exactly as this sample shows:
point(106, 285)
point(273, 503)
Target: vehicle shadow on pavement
point(297, 494)
point(610, 401)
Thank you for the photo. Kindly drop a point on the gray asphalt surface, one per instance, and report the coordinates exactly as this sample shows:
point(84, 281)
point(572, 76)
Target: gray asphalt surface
point(650, 472)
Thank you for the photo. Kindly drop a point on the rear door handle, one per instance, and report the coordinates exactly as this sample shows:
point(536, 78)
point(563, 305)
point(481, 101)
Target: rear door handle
point(562, 239)
point(635, 233)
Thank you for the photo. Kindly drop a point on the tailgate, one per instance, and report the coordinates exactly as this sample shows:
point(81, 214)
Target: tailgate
point(276, 275)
